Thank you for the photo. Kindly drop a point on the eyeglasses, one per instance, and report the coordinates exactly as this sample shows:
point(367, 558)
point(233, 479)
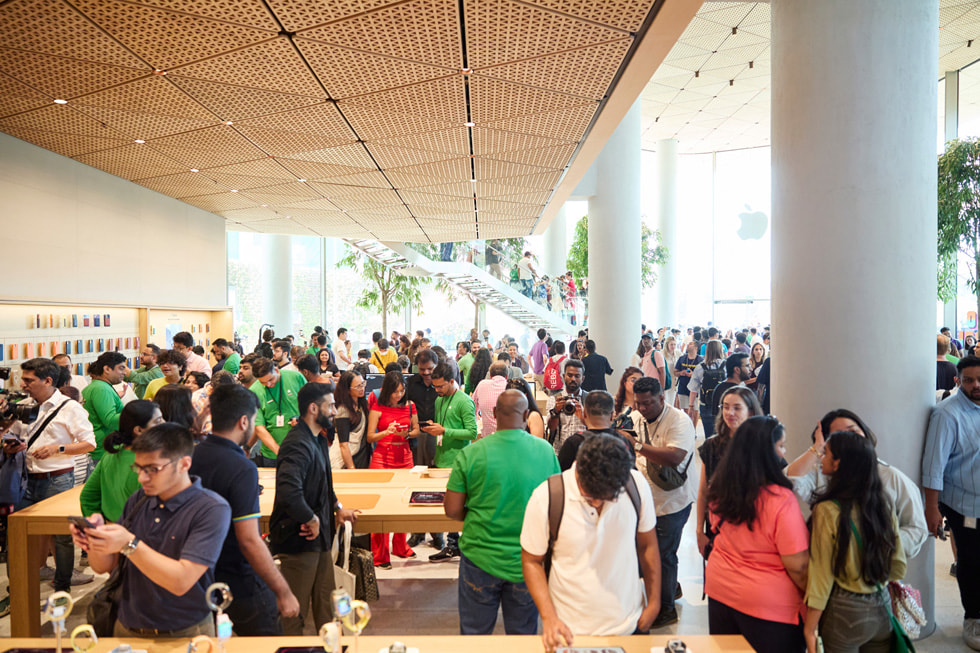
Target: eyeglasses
point(151, 470)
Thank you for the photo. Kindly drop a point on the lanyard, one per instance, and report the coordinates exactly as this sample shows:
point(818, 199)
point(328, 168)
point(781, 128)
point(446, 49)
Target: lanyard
point(279, 400)
point(440, 421)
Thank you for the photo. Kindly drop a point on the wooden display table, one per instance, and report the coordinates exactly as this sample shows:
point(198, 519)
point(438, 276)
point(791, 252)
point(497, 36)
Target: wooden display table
point(381, 495)
point(425, 644)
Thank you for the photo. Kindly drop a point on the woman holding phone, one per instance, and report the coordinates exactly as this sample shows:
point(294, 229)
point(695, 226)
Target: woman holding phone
point(391, 423)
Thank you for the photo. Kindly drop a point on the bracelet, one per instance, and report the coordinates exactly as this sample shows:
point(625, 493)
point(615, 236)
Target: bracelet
point(815, 452)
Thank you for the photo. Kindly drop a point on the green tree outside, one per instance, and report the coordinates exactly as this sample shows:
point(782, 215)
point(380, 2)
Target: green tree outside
point(653, 253)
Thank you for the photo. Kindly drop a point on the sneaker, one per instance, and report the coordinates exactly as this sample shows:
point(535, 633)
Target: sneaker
point(80, 578)
point(47, 573)
point(438, 543)
point(665, 619)
point(383, 565)
point(5, 606)
point(415, 539)
point(678, 592)
point(83, 560)
point(971, 633)
point(447, 554)
point(410, 555)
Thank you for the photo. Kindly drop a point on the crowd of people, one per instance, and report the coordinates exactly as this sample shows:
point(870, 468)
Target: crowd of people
point(573, 497)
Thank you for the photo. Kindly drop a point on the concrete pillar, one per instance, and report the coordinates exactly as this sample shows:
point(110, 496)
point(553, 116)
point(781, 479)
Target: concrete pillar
point(853, 239)
point(667, 224)
point(556, 246)
point(614, 245)
point(952, 130)
point(277, 298)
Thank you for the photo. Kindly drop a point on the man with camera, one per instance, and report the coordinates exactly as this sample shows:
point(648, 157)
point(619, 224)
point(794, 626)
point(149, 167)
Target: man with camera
point(60, 431)
point(565, 417)
point(664, 445)
point(598, 409)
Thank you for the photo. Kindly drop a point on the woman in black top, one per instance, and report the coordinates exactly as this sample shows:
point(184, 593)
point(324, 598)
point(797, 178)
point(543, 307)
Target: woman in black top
point(350, 422)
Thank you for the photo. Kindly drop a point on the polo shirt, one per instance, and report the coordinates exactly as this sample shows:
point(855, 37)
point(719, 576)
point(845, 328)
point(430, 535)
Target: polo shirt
point(189, 526)
point(456, 414)
point(485, 400)
point(197, 363)
point(103, 406)
point(498, 475)
point(142, 376)
point(539, 353)
point(232, 363)
point(594, 583)
point(673, 428)
point(951, 461)
point(280, 399)
point(224, 469)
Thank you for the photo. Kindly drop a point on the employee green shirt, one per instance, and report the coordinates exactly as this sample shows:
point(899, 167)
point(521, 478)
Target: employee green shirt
point(465, 363)
point(498, 475)
point(280, 399)
point(232, 363)
point(111, 484)
point(103, 406)
point(457, 414)
point(141, 377)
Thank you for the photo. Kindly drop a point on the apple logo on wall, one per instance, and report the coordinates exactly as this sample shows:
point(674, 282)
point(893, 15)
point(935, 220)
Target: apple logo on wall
point(752, 224)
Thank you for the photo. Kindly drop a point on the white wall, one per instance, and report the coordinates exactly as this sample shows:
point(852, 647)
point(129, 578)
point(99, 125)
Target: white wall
point(72, 233)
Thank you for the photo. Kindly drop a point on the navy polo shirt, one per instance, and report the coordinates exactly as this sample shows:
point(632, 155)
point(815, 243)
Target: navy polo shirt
point(223, 468)
point(190, 526)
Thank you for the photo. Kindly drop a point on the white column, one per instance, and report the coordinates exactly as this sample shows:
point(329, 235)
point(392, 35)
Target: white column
point(277, 304)
point(667, 224)
point(556, 246)
point(614, 245)
point(952, 130)
point(854, 220)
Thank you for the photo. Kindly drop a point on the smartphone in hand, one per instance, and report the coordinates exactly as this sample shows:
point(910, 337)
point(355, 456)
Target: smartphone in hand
point(81, 523)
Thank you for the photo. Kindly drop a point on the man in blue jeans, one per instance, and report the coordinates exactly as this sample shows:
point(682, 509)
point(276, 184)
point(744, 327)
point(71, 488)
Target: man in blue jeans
point(491, 482)
point(61, 431)
point(665, 437)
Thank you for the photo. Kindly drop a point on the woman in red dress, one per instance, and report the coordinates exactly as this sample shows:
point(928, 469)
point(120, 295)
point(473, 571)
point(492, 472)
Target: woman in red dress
point(391, 422)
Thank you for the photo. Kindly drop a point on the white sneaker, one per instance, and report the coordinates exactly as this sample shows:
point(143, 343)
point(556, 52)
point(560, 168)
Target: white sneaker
point(47, 573)
point(80, 578)
point(971, 633)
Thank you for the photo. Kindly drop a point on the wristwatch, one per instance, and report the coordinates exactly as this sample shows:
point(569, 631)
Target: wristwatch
point(61, 448)
point(130, 547)
point(637, 446)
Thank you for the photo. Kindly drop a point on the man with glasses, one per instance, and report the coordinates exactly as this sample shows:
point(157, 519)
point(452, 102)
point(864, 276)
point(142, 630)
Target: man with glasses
point(147, 371)
point(277, 390)
point(61, 431)
point(172, 531)
point(594, 586)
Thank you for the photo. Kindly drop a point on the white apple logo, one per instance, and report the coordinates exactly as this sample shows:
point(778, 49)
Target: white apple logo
point(752, 224)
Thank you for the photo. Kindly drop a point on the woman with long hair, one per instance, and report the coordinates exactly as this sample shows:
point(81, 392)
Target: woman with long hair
point(901, 491)
point(325, 361)
point(670, 355)
point(622, 418)
point(757, 356)
point(404, 345)
point(175, 405)
point(350, 422)
point(757, 568)
point(704, 380)
point(854, 551)
point(535, 423)
point(479, 369)
point(392, 421)
point(737, 405)
point(113, 481)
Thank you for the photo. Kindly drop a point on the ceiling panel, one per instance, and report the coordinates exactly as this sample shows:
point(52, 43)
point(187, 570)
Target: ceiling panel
point(182, 184)
point(65, 144)
point(622, 14)
point(16, 96)
point(240, 102)
point(65, 78)
point(208, 148)
point(132, 161)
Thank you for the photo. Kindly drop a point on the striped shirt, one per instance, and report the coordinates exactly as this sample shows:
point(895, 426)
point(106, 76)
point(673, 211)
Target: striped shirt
point(951, 462)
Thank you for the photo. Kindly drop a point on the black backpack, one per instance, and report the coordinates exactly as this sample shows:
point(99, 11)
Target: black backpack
point(712, 377)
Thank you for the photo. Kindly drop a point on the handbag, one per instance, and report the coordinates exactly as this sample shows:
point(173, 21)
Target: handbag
point(907, 607)
point(362, 565)
point(104, 608)
point(343, 578)
point(13, 469)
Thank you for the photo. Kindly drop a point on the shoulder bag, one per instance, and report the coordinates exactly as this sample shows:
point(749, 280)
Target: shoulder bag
point(666, 477)
point(13, 469)
point(104, 608)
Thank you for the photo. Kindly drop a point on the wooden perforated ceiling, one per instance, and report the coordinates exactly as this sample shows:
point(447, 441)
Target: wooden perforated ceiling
point(404, 120)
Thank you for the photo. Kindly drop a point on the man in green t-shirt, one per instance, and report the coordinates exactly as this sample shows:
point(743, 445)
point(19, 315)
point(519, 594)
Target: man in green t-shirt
point(277, 391)
point(488, 489)
point(147, 371)
point(101, 400)
point(466, 361)
point(223, 350)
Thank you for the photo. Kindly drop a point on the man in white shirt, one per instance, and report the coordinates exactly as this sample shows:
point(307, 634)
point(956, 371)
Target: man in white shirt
point(526, 273)
point(665, 438)
point(594, 587)
point(563, 421)
point(61, 431)
point(485, 396)
point(342, 349)
point(184, 344)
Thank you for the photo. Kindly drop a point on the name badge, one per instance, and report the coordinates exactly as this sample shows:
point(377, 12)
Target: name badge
point(280, 420)
point(970, 522)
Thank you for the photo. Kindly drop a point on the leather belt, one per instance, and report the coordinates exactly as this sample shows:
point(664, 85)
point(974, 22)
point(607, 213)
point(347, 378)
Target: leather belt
point(47, 475)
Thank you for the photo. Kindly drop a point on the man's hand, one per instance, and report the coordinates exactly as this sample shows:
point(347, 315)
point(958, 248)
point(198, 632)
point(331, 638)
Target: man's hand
point(11, 447)
point(434, 429)
point(288, 605)
point(555, 633)
point(934, 519)
point(107, 539)
point(560, 403)
point(649, 613)
point(346, 515)
point(311, 529)
point(702, 542)
point(80, 537)
point(46, 451)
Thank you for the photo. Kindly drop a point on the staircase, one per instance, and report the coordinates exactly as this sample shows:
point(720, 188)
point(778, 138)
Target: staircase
point(476, 282)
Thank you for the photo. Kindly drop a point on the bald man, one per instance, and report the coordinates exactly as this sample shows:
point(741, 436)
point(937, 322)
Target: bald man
point(491, 482)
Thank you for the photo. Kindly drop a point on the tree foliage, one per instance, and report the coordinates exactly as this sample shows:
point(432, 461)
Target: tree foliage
point(959, 215)
point(389, 291)
point(653, 253)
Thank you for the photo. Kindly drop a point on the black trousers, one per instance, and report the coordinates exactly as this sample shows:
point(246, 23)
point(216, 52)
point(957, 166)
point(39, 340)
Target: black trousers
point(763, 635)
point(967, 561)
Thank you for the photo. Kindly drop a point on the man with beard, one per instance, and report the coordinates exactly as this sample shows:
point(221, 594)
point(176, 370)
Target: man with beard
point(245, 375)
point(302, 524)
point(245, 563)
point(563, 423)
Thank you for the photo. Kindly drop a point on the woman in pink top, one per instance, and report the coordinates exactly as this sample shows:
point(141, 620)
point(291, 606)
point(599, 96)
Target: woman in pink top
point(756, 573)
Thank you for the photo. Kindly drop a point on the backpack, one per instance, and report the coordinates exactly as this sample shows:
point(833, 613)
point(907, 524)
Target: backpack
point(552, 375)
point(668, 381)
point(712, 377)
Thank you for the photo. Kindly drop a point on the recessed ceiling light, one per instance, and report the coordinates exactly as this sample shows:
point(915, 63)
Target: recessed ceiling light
point(466, 71)
point(470, 124)
point(234, 190)
point(159, 72)
point(263, 205)
point(301, 180)
point(59, 101)
point(139, 140)
point(194, 170)
point(472, 181)
point(228, 122)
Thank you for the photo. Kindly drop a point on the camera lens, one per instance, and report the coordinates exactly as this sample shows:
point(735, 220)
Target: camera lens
point(569, 408)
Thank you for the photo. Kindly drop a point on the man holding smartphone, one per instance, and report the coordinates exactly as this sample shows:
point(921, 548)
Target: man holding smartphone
point(61, 431)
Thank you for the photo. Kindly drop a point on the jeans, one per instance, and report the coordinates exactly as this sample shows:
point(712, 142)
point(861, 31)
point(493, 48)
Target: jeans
point(526, 287)
point(39, 489)
point(254, 612)
point(669, 530)
point(708, 419)
point(967, 563)
point(480, 594)
point(856, 622)
point(446, 252)
point(203, 627)
point(762, 635)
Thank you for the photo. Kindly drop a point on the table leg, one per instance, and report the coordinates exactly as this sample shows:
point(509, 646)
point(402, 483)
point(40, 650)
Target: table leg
point(25, 580)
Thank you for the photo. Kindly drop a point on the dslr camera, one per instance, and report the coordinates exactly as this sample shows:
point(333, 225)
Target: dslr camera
point(570, 405)
point(14, 410)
